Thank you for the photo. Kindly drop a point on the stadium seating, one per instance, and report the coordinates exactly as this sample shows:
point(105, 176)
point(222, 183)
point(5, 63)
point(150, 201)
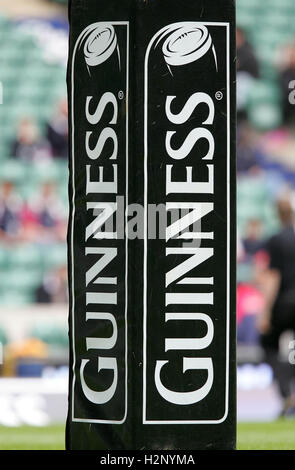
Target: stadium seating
point(32, 88)
point(22, 270)
point(3, 337)
point(31, 85)
point(269, 25)
point(255, 201)
point(51, 334)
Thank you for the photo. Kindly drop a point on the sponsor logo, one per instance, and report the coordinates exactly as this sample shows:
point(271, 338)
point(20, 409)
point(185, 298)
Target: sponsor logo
point(99, 254)
point(100, 42)
point(187, 113)
point(185, 43)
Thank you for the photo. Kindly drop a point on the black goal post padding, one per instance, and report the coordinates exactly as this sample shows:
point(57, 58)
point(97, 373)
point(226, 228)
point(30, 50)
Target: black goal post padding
point(152, 229)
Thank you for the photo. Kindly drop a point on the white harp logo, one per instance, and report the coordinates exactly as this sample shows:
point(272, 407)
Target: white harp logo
point(185, 43)
point(100, 42)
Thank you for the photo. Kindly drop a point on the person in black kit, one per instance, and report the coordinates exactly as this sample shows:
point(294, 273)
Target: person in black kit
point(279, 290)
point(246, 58)
point(57, 131)
point(247, 72)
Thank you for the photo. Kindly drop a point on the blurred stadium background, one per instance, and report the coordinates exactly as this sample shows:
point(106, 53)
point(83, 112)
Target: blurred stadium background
point(34, 207)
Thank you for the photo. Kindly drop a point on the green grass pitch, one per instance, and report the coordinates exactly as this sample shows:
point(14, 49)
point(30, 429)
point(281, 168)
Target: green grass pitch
point(278, 435)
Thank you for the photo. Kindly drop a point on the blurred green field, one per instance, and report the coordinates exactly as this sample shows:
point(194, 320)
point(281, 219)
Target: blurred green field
point(32, 438)
point(279, 435)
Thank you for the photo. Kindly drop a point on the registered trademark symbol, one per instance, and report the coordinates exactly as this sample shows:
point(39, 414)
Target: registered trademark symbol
point(219, 95)
point(121, 95)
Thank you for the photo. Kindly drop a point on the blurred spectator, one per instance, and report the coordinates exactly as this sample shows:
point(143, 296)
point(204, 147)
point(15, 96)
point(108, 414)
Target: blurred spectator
point(246, 58)
point(253, 241)
point(30, 226)
point(240, 249)
point(249, 304)
point(49, 213)
point(247, 71)
point(246, 153)
point(54, 287)
point(57, 131)
point(10, 212)
point(279, 290)
point(28, 145)
point(286, 76)
point(250, 300)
